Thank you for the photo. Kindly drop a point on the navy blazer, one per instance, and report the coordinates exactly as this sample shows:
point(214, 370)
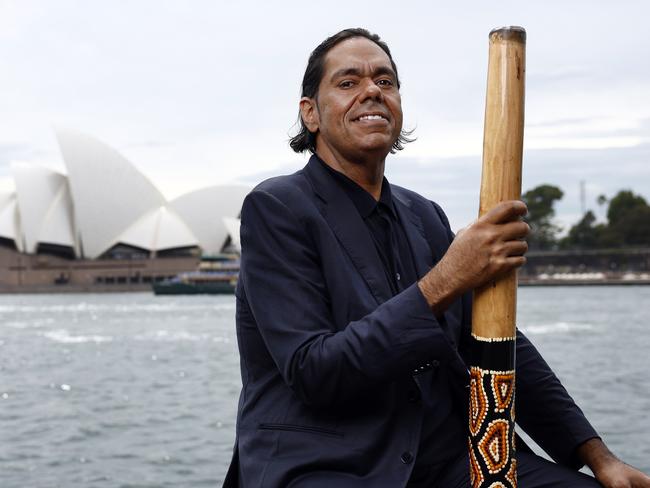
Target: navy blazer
point(328, 355)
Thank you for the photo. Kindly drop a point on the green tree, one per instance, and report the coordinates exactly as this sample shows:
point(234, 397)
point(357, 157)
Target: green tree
point(586, 234)
point(628, 219)
point(601, 200)
point(540, 201)
point(624, 203)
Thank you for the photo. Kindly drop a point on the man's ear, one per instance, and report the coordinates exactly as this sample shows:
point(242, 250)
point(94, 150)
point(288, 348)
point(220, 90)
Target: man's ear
point(309, 114)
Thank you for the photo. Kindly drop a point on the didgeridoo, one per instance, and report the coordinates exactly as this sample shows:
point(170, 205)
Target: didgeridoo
point(492, 364)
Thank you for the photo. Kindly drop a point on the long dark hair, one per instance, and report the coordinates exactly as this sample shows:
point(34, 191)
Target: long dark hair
point(305, 140)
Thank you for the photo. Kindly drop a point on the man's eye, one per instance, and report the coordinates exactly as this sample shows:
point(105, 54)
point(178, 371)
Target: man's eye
point(385, 82)
point(346, 84)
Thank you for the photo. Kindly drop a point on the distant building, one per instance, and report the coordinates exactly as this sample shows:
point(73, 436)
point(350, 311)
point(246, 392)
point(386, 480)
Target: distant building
point(104, 208)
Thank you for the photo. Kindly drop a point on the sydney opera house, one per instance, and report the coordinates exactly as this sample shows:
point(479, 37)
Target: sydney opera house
point(104, 224)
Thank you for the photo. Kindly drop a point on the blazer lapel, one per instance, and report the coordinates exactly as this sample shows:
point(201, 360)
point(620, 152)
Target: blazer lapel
point(414, 231)
point(426, 253)
point(345, 221)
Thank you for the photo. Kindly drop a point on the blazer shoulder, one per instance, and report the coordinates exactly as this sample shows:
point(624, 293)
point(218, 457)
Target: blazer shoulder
point(280, 185)
point(292, 190)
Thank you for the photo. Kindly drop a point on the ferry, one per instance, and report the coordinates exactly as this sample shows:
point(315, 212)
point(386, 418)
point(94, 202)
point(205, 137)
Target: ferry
point(215, 275)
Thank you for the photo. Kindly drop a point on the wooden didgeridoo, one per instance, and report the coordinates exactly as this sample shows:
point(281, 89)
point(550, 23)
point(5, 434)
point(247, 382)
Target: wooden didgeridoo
point(492, 363)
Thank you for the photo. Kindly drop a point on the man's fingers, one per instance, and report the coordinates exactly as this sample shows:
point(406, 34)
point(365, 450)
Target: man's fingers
point(512, 262)
point(515, 248)
point(517, 261)
point(515, 230)
point(506, 212)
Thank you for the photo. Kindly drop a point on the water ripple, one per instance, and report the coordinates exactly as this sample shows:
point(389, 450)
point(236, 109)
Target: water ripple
point(63, 336)
point(555, 328)
point(151, 384)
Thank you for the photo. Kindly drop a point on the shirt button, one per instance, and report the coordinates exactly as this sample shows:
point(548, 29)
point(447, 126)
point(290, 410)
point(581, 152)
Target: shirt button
point(398, 276)
point(435, 363)
point(407, 457)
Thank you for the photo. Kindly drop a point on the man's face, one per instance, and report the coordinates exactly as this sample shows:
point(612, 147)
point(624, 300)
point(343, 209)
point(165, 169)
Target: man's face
point(358, 111)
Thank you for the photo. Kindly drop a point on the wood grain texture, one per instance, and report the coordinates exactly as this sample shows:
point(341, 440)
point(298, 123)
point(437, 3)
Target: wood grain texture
point(494, 308)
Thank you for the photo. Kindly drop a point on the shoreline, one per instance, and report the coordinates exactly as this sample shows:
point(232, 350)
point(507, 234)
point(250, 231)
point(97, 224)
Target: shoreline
point(33, 274)
point(574, 282)
point(72, 288)
point(140, 288)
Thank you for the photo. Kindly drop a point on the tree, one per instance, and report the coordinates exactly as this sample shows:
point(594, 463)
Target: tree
point(540, 201)
point(623, 203)
point(601, 200)
point(628, 218)
point(586, 234)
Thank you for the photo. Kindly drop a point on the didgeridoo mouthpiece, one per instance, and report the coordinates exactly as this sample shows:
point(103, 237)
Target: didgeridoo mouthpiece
point(509, 33)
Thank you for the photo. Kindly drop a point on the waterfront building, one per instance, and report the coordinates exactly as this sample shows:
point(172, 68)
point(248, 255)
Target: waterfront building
point(105, 214)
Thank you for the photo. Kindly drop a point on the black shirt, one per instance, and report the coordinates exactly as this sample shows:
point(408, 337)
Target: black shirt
point(385, 229)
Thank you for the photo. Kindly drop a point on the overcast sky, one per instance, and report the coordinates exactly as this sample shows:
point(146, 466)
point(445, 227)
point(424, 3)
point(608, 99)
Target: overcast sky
point(196, 93)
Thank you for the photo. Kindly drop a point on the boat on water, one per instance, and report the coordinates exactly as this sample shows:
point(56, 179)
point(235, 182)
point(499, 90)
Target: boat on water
point(215, 275)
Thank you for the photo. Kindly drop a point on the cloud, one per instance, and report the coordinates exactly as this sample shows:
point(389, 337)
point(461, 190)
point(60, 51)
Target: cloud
point(562, 75)
point(203, 92)
point(17, 151)
point(559, 122)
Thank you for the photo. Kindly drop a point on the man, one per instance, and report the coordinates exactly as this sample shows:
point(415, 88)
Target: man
point(353, 311)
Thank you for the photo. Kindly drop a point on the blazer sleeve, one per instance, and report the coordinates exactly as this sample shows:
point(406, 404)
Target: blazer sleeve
point(545, 410)
point(283, 282)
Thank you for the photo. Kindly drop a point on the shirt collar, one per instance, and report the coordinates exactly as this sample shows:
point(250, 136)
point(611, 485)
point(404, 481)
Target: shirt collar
point(364, 202)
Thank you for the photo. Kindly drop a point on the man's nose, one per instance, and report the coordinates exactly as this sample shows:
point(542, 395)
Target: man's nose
point(371, 91)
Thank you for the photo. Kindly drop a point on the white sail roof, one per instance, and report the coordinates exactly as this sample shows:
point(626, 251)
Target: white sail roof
point(159, 229)
point(203, 210)
point(109, 193)
point(104, 200)
point(44, 205)
point(10, 219)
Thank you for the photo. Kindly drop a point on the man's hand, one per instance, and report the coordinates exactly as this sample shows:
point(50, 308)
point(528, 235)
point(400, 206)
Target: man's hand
point(610, 471)
point(488, 248)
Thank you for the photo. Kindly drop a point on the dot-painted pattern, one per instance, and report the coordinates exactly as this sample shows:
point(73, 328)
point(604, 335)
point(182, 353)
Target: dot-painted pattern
point(491, 427)
point(478, 402)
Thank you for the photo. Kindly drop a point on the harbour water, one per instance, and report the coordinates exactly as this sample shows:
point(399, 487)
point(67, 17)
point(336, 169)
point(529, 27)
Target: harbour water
point(134, 390)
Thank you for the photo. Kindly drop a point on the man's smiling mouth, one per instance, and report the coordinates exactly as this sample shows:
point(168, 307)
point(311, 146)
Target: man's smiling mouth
point(371, 117)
